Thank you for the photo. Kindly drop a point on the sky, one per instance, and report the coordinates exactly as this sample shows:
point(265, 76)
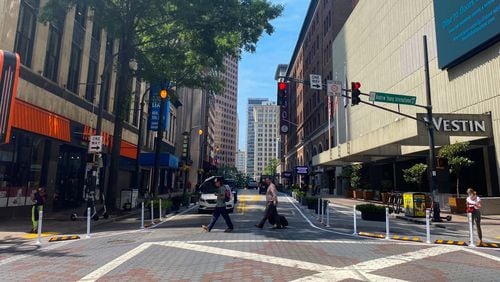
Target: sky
point(256, 70)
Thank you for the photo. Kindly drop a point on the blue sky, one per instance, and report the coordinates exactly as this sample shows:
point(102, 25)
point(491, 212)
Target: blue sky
point(256, 70)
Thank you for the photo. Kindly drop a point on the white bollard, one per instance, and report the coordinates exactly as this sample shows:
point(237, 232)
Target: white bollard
point(471, 230)
point(354, 215)
point(142, 215)
point(387, 223)
point(88, 223)
point(160, 208)
point(39, 230)
point(328, 214)
point(319, 208)
point(152, 213)
point(428, 225)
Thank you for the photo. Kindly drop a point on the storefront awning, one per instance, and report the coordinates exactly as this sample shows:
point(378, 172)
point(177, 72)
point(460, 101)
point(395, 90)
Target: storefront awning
point(166, 160)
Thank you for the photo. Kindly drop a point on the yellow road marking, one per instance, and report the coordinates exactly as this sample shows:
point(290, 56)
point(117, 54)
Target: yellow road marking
point(35, 235)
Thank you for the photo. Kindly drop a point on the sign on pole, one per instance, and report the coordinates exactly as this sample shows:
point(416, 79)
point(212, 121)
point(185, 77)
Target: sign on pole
point(95, 144)
point(333, 88)
point(392, 98)
point(315, 81)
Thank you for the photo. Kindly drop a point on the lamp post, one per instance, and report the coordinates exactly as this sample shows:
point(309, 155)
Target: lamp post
point(159, 137)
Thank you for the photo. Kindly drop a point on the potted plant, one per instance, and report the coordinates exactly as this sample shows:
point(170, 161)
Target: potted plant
point(367, 192)
point(356, 180)
point(372, 212)
point(415, 174)
point(312, 203)
point(454, 154)
point(386, 187)
point(346, 175)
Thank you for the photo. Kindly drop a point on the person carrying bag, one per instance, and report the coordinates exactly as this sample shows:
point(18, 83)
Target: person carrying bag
point(473, 206)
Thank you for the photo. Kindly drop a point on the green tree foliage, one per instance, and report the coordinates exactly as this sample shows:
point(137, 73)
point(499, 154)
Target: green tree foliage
point(176, 41)
point(270, 168)
point(356, 175)
point(415, 174)
point(454, 154)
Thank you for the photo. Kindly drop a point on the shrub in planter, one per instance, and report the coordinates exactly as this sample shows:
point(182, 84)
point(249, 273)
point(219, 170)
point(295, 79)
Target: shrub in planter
point(372, 212)
point(312, 202)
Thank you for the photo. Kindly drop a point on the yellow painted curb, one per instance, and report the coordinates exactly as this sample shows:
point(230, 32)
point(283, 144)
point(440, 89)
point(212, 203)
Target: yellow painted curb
point(490, 245)
point(63, 238)
point(450, 242)
point(373, 235)
point(35, 235)
point(406, 238)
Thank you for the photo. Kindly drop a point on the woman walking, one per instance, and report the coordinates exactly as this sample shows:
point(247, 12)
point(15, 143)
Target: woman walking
point(473, 206)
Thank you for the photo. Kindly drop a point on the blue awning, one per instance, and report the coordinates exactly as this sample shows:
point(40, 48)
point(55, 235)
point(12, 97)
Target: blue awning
point(166, 160)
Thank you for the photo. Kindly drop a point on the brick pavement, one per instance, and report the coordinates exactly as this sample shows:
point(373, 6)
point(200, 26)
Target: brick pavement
point(178, 250)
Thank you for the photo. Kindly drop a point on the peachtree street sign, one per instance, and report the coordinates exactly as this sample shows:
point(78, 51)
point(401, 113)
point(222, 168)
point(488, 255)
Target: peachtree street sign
point(458, 124)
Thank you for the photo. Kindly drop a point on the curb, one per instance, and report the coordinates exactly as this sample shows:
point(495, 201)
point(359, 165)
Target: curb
point(63, 238)
point(394, 237)
point(490, 245)
point(450, 242)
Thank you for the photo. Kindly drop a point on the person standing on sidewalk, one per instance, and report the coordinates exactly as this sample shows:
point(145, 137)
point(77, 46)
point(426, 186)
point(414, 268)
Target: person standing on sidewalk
point(473, 206)
point(220, 207)
point(38, 202)
point(271, 211)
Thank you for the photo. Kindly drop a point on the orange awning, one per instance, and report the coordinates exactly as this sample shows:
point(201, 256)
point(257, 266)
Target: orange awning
point(31, 118)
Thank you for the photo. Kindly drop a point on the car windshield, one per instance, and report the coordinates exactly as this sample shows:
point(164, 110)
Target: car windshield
point(208, 188)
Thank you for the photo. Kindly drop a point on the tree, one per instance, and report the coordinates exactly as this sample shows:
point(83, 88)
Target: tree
point(454, 154)
point(270, 168)
point(172, 40)
point(415, 174)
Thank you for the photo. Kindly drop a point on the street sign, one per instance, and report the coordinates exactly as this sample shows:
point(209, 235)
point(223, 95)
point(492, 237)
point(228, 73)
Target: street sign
point(315, 81)
point(392, 98)
point(304, 170)
point(333, 88)
point(95, 144)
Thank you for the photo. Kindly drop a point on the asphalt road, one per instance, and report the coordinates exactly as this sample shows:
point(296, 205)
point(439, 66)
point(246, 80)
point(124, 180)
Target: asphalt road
point(177, 249)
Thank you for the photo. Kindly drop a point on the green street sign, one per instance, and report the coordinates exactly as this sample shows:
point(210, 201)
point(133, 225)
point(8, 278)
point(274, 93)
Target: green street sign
point(392, 98)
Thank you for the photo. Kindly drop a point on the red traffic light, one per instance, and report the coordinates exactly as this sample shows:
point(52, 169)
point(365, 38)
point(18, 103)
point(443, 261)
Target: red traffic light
point(281, 86)
point(356, 85)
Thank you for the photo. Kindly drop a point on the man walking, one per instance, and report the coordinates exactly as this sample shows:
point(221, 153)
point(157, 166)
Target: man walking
point(271, 212)
point(38, 201)
point(220, 207)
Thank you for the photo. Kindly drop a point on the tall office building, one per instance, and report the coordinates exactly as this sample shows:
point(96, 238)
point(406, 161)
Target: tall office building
point(266, 133)
point(225, 123)
point(241, 161)
point(250, 132)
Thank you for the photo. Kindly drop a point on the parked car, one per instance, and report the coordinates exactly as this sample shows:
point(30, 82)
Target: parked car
point(252, 184)
point(262, 187)
point(208, 198)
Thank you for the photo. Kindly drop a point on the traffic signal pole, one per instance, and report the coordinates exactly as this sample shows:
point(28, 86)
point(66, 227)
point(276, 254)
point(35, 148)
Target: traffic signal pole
point(430, 127)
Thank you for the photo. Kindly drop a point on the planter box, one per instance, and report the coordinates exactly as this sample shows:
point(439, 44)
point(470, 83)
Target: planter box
point(368, 194)
point(358, 194)
point(373, 216)
point(457, 205)
point(385, 197)
point(349, 193)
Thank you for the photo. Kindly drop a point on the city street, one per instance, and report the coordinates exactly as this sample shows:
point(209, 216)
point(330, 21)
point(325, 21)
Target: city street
point(177, 249)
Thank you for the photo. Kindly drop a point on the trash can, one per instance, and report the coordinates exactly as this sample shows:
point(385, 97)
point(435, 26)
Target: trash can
point(414, 204)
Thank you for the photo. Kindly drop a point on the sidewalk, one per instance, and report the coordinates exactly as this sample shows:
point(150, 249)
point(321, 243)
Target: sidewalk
point(490, 224)
point(16, 230)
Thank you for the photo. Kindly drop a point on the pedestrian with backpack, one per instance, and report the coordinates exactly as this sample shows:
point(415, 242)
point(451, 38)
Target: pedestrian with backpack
point(473, 206)
point(223, 195)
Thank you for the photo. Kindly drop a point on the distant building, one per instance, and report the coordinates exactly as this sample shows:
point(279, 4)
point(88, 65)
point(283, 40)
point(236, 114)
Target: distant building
point(266, 133)
point(250, 132)
point(241, 161)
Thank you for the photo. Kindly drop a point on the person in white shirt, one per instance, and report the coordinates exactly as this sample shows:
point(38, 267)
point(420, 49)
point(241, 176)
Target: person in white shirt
point(271, 204)
point(473, 206)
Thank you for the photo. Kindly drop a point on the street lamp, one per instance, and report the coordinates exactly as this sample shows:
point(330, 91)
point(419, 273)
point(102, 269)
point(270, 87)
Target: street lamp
point(159, 137)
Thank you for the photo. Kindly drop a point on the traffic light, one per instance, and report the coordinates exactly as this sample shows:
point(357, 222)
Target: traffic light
point(356, 92)
point(283, 103)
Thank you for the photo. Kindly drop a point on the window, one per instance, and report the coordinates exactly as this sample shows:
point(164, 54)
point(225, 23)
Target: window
point(76, 48)
point(91, 81)
point(53, 48)
point(25, 33)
